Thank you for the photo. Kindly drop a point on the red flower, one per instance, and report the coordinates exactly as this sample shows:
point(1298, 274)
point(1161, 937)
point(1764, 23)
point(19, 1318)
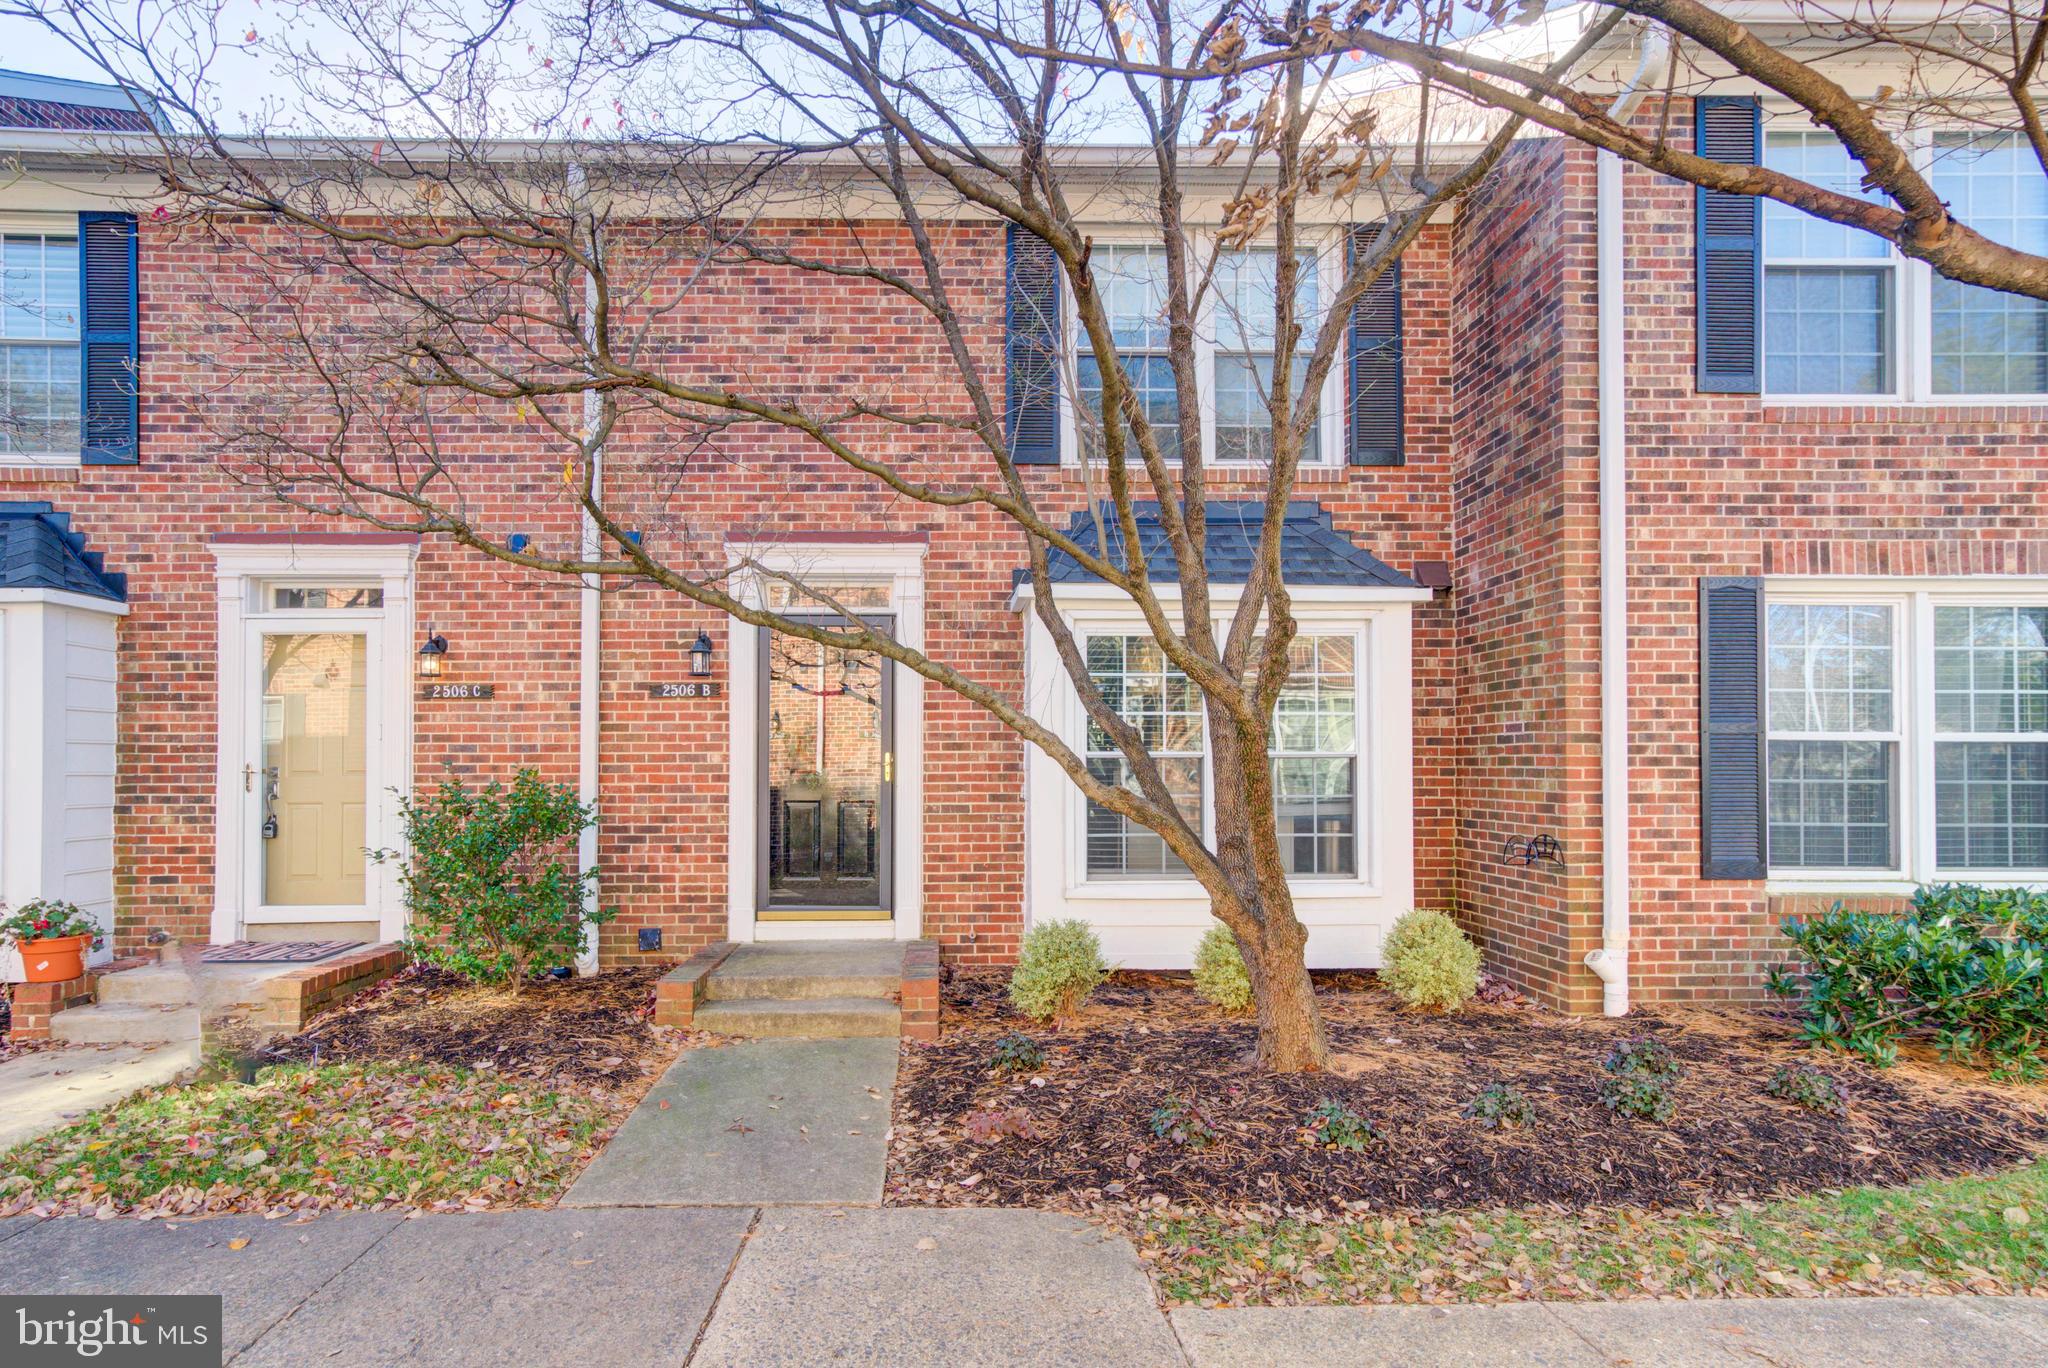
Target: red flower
point(43, 925)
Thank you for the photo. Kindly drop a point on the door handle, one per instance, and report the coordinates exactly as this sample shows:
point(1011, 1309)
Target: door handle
point(888, 767)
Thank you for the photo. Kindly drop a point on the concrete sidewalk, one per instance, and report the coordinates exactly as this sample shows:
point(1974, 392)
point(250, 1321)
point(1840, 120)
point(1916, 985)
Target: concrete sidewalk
point(897, 1286)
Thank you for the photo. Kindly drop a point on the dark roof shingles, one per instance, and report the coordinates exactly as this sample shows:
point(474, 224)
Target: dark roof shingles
point(38, 550)
point(1312, 550)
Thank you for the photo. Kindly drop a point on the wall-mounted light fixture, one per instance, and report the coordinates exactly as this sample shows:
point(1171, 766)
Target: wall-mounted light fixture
point(700, 655)
point(432, 652)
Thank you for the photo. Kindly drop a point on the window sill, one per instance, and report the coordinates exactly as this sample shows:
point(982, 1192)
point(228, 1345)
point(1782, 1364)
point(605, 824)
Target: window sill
point(32, 472)
point(1894, 886)
point(1974, 403)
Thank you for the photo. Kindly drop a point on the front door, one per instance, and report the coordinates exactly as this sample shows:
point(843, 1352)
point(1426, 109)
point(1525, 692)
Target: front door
point(827, 780)
point(309, 778)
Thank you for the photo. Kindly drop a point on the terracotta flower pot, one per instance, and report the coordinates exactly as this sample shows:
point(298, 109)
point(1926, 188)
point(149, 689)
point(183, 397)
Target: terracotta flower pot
point(55, 960)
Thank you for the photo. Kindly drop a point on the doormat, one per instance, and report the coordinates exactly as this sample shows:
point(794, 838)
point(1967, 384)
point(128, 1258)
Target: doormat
point(275, 952)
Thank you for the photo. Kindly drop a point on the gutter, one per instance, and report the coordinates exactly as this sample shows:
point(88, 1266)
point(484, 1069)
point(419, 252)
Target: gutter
point(1610, 962)
point(589, 623)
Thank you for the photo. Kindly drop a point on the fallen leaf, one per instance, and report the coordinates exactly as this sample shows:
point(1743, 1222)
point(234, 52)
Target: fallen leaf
point(239, 1243)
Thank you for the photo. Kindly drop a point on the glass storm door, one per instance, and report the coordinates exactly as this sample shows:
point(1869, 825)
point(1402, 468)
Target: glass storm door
point(828, 779)
point(311, 780)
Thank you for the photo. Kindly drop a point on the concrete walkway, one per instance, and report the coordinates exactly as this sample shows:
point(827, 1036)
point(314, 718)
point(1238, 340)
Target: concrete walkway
point(47, 1090)
point(764, 1123)
point(896, 1286)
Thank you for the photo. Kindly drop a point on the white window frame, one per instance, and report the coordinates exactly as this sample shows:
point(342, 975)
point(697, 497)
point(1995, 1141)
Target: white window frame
point(1328, 247)
point(1912, 306)
point(1915, 600)
point(62, 225)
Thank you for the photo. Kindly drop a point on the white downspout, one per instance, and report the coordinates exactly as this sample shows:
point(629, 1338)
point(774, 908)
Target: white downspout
point(587, 660)
point(1610, 962)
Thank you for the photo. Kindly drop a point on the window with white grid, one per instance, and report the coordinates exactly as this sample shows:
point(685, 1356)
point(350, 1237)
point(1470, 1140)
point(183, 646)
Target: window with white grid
point(1831, 687)
point(1132, 284)
point(1247, 284)
point(1315, 757)
point(1165, 707)
point(39, 372)
point(1991, 736)
point(1829, 291)
point(1988, 341)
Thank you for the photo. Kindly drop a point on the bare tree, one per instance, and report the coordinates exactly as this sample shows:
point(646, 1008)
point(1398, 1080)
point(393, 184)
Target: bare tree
point(404, 271)
point(1874, 73)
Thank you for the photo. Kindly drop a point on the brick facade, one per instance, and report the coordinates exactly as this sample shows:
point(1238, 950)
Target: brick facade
point(1500, 480)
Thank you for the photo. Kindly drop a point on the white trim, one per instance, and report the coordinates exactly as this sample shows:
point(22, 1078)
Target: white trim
point(1913, 601)
point(1155, 923)
point(240, 571)
point(900, 565)
point(65, 598)
point(1092, 592)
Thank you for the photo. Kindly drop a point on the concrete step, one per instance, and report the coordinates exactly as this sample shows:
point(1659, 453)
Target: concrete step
point(800, 1019)
point(156, 986)
point(725, 986)
point(125, 1024)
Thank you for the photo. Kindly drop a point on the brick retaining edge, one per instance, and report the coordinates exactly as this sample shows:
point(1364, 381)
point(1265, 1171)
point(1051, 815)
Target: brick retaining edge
point(291, 1000)
point(920, 998)
point(681, 989)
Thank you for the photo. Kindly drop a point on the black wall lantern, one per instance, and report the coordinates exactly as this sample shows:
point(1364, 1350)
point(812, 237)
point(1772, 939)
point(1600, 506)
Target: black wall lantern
point(700, 655)
point(432, 652)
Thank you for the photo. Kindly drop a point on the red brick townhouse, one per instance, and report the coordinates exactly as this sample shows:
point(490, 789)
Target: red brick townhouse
point(1746, 603)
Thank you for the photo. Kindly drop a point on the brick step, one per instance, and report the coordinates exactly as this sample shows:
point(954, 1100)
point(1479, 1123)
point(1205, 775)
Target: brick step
point(800, 1019)
point(125, 1024)
point(156, 986)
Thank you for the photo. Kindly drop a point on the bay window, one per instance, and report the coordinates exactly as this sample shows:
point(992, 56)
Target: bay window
point(1846, 316)
point(1165, 708)
point(1908, 733)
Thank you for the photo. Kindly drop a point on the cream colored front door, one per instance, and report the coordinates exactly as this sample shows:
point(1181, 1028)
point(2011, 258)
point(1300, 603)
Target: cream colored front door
point(310, 778)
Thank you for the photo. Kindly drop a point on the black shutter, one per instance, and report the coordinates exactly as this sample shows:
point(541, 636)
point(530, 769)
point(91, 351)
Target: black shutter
point(1031, 384)
point(1734, 835)
point(108, 338)
point(1376, 372)
point(1728, 250)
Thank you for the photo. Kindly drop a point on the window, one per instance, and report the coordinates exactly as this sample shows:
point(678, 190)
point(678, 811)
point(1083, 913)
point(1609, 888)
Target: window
point(1132, 281)
point(39, 381)
point(1828, 290)
point(1833, 738)
point(1246, 286)
point(1315, 757)
point(1986, 341)
point(1166, 709)
point(1866, 694)
point(1991, 737)
point(1845, 314)
point(1233, 350)
point(317, 598)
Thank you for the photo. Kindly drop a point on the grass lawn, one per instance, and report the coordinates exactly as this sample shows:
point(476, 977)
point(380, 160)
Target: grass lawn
point(1976, 1234)
point(307, 1138)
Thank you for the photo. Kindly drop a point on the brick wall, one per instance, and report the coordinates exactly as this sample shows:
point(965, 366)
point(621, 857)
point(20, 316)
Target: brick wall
point(206, 295)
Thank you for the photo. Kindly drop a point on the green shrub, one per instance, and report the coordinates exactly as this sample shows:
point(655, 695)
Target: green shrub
point(1805, 1086)
point(1429, 963)
point(1642, 1075)
point(1335, 1126)
point(1060, 966)
point(1219, 970)
point(490, 877)
point(1500, 1106)
point(1184, 1122)
point(1963, 969)
point(1017, 1053)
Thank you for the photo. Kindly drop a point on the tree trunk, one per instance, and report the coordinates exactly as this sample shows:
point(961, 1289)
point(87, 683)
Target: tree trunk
point(1291, 1035)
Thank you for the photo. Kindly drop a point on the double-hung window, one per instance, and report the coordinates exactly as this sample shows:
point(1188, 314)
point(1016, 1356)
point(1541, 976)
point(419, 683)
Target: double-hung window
point(1846, 316)
point(1908, 733)
point(1233, 352)
point(39, 380)
point(1314, 756)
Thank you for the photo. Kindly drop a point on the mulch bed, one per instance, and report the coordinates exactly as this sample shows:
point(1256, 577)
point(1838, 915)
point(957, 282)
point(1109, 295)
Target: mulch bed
point(594, 1031)
point(1149, 1038)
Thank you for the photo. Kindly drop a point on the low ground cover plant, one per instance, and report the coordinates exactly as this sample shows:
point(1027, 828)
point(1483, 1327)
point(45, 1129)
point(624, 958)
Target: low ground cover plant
point(490, 877)
point(1183, 1121)
point(1017, 1053)
point(1501, 1106)
point(1059, 965)
point(1642, 1077)
point(1805, 1086)
point(1429, 963)
point(1962, 969)
point(1219, 970)
point(1335, 1126)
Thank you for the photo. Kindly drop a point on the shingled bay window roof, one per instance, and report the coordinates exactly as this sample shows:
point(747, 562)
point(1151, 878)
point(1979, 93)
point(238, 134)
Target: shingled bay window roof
point(38, 550)
point(1312, 551)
